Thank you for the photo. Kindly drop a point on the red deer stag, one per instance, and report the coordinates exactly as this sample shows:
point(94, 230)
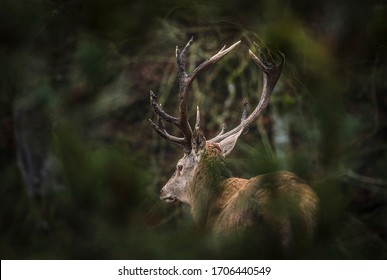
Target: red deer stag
point(219, 201)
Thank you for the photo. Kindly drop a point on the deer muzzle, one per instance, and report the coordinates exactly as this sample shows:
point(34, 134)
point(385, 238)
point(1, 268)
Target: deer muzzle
point(167, 197)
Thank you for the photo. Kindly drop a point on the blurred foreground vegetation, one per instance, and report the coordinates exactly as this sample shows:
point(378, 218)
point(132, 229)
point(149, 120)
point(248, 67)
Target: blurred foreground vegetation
point(81, 168)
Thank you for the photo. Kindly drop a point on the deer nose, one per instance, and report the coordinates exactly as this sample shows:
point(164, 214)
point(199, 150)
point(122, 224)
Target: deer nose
point(163, 194)
point(166, 197)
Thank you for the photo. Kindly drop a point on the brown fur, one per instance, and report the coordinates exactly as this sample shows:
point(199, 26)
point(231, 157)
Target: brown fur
point(222, 203)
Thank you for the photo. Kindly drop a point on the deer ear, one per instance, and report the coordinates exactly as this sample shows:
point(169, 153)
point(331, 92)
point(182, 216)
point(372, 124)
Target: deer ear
point(228, 144)
point(198, 141)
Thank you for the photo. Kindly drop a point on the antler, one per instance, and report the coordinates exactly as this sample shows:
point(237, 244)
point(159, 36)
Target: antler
point(271, 74)
point(185, 81)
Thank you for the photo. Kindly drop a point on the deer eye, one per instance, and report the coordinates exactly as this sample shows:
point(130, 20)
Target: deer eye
point(179, 167)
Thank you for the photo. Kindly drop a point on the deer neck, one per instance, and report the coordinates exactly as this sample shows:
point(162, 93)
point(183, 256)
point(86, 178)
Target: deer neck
point(207, 188)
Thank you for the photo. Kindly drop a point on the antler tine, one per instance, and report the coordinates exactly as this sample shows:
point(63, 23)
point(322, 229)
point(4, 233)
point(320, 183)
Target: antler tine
point(221, 130)
point(185, 80)
point(271, 74)
point(212, 60)
point(160, 129)
point(160, 112)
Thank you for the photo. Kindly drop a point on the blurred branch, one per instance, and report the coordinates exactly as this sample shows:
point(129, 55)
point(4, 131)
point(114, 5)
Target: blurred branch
point(365, 179)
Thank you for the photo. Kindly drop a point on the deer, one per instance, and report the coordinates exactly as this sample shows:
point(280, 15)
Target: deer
point(218, 201)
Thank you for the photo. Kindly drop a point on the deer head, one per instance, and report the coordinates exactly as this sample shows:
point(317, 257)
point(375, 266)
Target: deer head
point(193, 142)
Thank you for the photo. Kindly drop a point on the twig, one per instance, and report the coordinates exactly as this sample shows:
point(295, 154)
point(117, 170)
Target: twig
point(365, 179)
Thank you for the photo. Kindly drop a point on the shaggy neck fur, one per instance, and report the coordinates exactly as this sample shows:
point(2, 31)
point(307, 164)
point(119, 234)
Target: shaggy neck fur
point(207, 186)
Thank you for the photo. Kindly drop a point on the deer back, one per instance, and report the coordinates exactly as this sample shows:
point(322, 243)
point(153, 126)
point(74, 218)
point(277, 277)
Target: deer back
point(279, 200)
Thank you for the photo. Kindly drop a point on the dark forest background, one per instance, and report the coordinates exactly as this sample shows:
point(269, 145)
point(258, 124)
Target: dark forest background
point(81, 167)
